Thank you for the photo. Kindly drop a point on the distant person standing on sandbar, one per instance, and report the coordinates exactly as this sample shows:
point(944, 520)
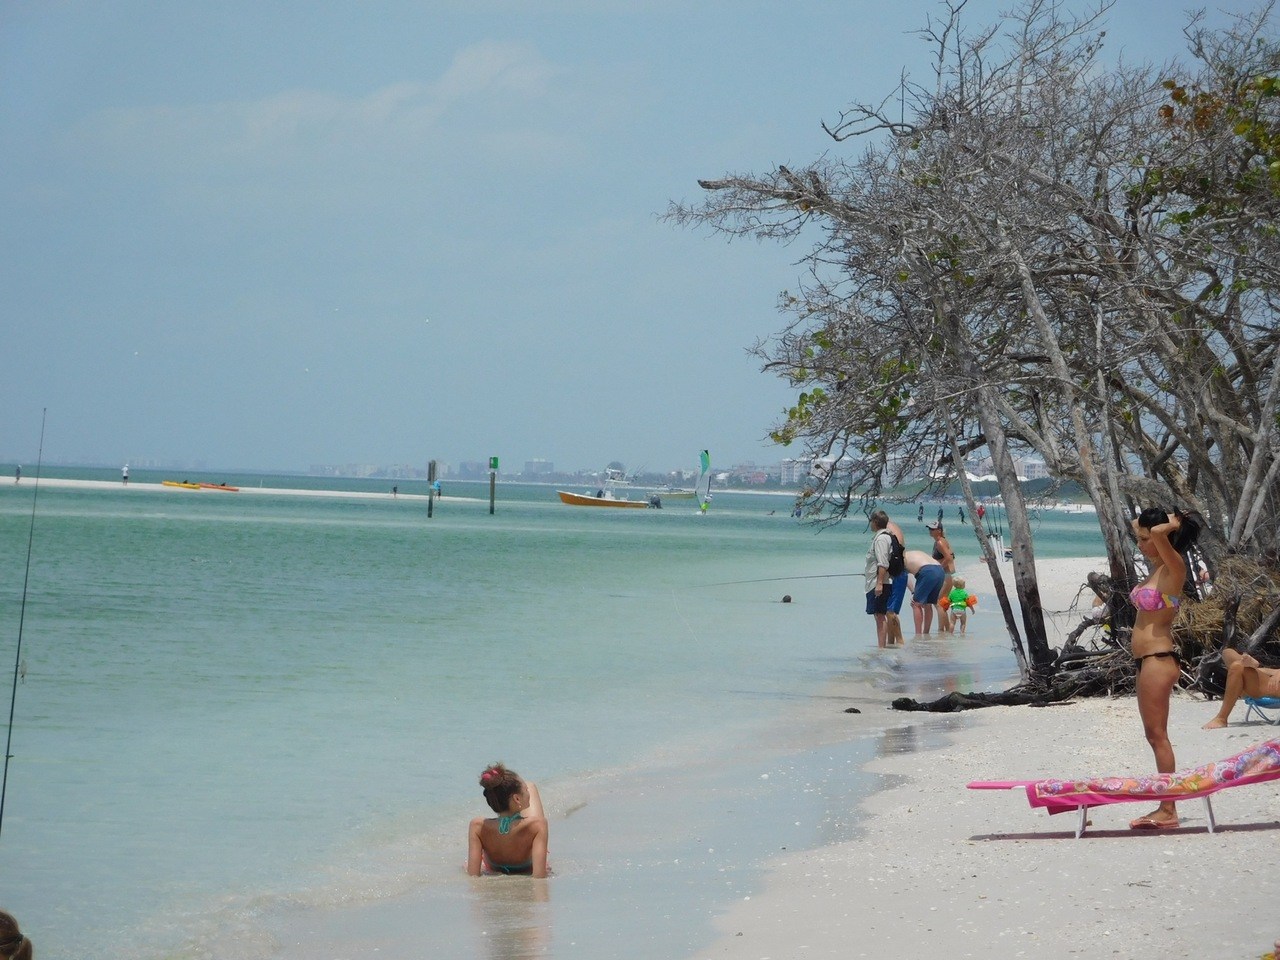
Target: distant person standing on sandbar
point(124, 474)
point(17, 473)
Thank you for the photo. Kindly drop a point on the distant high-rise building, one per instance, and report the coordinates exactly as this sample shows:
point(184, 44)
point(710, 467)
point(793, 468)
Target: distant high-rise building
point(539, 466)
point(796, 470)
point(1034, 469)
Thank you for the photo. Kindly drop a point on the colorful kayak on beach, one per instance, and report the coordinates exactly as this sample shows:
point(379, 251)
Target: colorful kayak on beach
point(182, 484)
point(218, 486)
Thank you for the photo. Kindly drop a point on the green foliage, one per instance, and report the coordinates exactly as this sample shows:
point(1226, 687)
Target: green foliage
point(1193, 114)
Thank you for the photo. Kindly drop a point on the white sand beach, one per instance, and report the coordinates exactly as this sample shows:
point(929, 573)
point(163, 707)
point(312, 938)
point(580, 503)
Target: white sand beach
point(945, 871)
point(941, 870)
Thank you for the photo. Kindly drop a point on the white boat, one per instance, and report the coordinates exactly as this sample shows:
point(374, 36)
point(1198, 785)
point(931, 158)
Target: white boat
point(611, 493)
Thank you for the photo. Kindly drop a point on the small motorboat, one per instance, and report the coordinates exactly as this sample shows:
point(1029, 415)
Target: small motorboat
point(608, 495)
point(605, 498)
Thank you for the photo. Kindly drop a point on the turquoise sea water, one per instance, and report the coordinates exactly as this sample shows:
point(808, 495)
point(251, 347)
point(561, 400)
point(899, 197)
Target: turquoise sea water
point(237, 702)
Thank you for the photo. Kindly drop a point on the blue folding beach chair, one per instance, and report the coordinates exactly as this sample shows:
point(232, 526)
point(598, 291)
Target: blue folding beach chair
point(1261, 706)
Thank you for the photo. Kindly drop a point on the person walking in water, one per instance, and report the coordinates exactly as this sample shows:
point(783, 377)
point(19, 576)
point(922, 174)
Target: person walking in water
point(942, 554)
point(876, 577)
point(897, 593)
point(926, 589)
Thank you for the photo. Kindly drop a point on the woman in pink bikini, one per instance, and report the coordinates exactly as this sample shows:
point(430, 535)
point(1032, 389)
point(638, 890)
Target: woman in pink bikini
point(1162, 537)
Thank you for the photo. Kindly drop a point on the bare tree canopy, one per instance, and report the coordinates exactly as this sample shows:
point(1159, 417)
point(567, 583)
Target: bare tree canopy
point(1041, 252)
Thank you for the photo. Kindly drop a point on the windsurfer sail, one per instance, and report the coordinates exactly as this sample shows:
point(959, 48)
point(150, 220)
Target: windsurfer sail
point(702, 491)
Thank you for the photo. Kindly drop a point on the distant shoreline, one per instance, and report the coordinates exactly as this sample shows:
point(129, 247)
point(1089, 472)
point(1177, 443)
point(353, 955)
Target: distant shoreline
point(146, 487)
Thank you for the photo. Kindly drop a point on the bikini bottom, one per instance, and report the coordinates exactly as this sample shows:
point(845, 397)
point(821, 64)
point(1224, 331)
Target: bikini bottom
point(1173, 654)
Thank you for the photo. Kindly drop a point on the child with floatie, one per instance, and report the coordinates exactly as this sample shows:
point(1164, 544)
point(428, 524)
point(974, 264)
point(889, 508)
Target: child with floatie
point(957, 604)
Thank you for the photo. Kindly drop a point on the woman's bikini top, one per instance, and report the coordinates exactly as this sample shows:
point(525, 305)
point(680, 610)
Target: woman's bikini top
point(504, 823)
point(504, 827)
point(1149, 598)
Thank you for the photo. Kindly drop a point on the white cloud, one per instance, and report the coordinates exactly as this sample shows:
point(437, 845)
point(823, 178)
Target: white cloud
point(490, 94)
point(491, 67)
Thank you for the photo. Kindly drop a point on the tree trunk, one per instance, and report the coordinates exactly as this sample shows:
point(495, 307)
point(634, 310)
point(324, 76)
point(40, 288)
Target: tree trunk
point(1024, 558)
point(989, 555)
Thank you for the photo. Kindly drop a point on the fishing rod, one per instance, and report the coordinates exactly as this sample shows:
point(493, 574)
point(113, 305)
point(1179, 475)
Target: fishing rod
point(22, 614)
point(816, 576)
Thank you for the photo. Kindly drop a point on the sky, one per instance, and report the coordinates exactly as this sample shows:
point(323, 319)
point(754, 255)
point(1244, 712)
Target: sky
point(265, 235)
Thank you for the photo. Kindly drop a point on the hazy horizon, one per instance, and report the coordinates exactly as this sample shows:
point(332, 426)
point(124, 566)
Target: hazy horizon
point(290, 234)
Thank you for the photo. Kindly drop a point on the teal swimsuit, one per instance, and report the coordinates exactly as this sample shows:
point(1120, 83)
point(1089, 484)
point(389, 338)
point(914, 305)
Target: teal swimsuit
point(511, 869)
point(504, 827)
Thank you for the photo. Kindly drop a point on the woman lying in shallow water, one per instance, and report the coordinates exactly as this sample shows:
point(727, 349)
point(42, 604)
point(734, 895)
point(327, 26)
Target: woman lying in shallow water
point(515, 841)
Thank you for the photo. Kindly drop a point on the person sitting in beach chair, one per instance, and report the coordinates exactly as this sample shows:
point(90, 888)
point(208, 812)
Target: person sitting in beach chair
point(515, 841)
point(1246, 677)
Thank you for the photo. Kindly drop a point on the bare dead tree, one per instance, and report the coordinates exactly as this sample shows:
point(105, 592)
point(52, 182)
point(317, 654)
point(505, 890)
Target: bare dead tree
point(1046, 253)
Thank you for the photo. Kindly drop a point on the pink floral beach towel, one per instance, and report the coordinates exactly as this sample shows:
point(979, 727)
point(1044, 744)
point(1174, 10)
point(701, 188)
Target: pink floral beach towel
point(1255, 765)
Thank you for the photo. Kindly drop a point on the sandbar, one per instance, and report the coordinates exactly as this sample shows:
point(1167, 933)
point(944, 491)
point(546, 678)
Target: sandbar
point(143, 487)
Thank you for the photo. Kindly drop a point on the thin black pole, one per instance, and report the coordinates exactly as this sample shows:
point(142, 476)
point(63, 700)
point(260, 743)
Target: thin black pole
point(431, 488)
point(22, 614)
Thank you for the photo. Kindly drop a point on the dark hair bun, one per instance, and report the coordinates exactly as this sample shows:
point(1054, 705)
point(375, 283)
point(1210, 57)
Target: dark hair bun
point(1190, 524)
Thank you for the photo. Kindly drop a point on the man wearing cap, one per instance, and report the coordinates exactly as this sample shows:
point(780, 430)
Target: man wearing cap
point(876, 575)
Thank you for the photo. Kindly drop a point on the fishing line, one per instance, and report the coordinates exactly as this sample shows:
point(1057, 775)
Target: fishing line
point(22, 614)
point(816, 576)
point(675, 605)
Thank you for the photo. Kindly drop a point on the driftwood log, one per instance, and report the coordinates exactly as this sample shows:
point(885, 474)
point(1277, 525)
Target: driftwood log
point(1242, 610)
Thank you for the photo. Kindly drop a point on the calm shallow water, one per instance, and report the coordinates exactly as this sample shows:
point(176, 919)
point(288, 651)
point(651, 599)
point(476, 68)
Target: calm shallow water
point(237, 702)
